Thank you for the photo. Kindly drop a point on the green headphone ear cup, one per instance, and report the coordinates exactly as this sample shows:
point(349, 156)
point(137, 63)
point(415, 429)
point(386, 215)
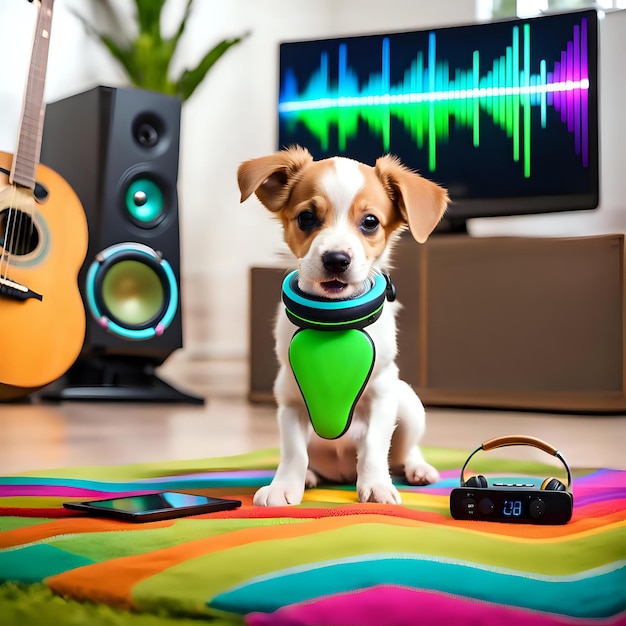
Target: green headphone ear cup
point(332, 369)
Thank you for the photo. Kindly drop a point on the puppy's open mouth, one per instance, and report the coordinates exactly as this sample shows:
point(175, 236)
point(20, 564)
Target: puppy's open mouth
point(333, 287)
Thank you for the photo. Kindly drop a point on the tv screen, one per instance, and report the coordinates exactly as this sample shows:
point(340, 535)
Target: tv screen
point(504, 114)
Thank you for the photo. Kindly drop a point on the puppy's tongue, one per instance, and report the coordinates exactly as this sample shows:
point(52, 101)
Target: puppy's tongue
point(333, 286)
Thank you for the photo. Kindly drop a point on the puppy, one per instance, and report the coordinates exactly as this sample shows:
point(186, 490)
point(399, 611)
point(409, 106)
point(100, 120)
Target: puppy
point(340, 219)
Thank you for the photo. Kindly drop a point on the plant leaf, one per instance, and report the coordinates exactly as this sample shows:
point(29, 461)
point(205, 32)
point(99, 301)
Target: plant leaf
point(146, 59)
point(190, 79)
point(123, 55)
point(149, 17)
point(181, 26)
point(150, 61)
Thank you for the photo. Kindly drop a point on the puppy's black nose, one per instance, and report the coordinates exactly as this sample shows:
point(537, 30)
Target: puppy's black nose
point(336, 262)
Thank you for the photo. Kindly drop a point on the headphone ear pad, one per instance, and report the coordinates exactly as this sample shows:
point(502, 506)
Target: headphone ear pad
point(552, 484)
point(476, 481)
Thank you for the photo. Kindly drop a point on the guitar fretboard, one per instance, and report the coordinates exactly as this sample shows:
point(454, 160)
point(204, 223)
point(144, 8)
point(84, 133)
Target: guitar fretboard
point(28, 150)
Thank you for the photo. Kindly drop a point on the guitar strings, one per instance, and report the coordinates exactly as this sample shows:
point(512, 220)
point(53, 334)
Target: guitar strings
point(6, 246)
point(18, 244)
point(9, 236)
point(18, 237)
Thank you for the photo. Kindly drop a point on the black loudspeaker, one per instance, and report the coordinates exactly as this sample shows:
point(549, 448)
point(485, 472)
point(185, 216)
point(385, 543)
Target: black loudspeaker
point(118, 149)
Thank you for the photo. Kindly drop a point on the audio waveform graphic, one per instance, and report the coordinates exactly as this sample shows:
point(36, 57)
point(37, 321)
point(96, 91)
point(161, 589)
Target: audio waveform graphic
point(433, 94)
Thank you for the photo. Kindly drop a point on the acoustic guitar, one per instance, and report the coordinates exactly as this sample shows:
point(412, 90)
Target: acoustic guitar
point(43, 243)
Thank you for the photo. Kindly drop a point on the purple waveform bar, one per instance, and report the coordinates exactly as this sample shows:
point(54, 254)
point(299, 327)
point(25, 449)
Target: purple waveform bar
point(572, 104)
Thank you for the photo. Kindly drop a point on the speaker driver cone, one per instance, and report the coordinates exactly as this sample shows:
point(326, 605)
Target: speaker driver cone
point(132, 291)
point(144, 202)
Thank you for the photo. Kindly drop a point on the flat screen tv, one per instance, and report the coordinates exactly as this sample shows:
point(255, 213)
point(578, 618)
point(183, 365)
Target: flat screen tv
point(503, 114)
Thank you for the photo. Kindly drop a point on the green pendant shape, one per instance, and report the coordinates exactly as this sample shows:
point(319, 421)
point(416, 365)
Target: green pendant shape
point(332, 369)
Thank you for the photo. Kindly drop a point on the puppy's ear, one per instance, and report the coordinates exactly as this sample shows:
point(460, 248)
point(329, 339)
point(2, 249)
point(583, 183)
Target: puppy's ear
point(421, 202)
point(272, 177)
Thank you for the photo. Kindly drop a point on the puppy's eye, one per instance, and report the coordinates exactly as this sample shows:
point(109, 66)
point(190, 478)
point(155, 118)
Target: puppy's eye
point(307, 221)
point(369, 224)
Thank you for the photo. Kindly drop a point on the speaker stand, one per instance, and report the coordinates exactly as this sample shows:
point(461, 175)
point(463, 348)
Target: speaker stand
point(117, 380)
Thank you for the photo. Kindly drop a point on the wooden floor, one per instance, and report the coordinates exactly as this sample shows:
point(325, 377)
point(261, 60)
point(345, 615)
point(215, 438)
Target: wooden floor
point(38, 435)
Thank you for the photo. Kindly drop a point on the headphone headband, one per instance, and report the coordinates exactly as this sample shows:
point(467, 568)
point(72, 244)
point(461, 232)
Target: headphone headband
point(520, 440)
point(318, 313)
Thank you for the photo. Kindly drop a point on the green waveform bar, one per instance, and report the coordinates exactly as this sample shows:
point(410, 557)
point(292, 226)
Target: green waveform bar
point(429, 100)
point(428, 123)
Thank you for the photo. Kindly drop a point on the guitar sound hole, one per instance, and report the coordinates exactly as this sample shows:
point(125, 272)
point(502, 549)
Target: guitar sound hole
point(18, 233)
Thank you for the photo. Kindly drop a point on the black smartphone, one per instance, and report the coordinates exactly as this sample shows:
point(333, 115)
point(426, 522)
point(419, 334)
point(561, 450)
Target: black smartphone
point(153, 506)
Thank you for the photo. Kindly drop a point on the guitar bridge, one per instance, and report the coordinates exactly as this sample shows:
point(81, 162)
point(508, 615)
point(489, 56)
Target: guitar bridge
point(15, 291)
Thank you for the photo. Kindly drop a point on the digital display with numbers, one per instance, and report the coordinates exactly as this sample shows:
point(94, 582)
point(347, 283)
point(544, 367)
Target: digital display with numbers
point(518, 505)
point(512, 508)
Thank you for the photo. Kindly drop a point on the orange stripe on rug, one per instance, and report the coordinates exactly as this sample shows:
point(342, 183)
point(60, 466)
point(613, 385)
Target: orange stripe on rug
point(112, 582)
point(65, 526)
point(592, 517)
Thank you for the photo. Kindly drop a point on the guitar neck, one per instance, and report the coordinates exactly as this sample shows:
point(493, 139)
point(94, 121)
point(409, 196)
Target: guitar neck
point(28, 150)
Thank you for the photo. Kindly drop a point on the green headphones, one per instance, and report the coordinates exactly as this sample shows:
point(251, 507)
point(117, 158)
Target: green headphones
point(331, 356)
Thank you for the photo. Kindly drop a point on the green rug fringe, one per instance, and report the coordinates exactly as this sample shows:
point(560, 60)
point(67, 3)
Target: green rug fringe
point(36, 605)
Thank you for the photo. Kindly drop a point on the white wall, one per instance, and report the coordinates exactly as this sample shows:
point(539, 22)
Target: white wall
point(232, 118)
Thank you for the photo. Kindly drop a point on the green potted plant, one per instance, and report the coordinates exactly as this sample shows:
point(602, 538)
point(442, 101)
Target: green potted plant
point(146, 59)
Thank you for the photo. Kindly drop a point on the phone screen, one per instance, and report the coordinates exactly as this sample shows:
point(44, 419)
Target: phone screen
point(154, 506)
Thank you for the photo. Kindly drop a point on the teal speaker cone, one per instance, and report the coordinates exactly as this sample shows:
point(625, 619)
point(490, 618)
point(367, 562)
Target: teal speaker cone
point(131, 290)
point(144, 201)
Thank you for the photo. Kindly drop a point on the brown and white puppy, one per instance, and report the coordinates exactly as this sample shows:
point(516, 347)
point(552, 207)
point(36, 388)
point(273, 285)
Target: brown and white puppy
point(340, 219)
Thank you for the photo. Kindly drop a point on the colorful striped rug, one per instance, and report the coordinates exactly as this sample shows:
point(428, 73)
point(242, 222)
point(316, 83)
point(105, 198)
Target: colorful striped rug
point(329, 561)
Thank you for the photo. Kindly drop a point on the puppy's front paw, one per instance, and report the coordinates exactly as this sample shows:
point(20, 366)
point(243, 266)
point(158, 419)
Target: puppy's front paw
point(278, 494)
point(383, 493)
point(421, 473)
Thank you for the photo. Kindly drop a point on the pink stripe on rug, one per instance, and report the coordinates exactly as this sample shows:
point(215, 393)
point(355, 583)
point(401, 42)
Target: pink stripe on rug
point(50, 491)
point(399, 606)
